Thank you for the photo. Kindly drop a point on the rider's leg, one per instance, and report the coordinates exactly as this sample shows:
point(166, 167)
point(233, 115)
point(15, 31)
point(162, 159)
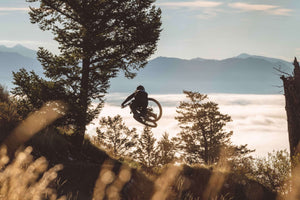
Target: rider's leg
point(144, 111)
point(144, 105)
point(133, 108)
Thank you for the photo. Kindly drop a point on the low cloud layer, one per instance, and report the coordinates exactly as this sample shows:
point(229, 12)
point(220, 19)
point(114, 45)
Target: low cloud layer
point(257, 120)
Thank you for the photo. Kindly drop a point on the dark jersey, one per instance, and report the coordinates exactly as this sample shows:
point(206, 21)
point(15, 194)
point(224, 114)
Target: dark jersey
point(140, 98)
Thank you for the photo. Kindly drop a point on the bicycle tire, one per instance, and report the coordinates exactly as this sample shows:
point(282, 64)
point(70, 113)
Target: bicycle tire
point(152, 124)
point(159, 114)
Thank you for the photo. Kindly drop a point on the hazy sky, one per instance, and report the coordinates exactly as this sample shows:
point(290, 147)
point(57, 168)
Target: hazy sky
point(208, 29)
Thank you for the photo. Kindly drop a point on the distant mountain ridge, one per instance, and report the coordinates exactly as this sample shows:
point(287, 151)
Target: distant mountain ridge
point(14, 58)
point(24, 51)
point(274, 60)
point(249, 74)
point(244, 74)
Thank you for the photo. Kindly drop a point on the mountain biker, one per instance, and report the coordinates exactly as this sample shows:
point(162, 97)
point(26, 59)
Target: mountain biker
point(140, 102)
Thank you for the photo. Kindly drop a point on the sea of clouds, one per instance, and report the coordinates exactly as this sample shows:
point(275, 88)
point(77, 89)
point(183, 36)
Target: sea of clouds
point(257, 120)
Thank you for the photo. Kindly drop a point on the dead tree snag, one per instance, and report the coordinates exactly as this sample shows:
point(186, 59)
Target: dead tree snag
point(291, 86)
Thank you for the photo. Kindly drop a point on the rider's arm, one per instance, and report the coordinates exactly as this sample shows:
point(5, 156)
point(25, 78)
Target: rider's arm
point(128, 99)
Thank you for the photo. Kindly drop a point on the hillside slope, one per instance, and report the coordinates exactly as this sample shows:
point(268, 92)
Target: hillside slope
point(84, 176)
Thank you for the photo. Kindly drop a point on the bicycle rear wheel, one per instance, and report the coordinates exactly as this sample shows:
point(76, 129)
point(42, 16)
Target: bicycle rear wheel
point(152, 124)
point(154, 110)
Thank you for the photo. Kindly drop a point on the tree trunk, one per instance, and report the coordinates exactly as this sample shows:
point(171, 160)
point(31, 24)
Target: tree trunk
point(82, 118)
point(292, 98)
point(206, 160)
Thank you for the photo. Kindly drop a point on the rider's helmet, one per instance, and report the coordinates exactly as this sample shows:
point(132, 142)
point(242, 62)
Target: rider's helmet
point(140, 87)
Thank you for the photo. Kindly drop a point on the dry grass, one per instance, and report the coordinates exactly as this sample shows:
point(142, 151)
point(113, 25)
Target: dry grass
point(109, 185)
point(217, 178)
point(28, 179)
point(25, 178)
point(164, 182)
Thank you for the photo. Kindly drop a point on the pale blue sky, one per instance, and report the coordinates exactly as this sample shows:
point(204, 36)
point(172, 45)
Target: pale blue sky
point(208, 29)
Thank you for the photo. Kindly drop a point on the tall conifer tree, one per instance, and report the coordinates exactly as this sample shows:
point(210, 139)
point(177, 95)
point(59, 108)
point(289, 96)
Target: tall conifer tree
point(97, 39)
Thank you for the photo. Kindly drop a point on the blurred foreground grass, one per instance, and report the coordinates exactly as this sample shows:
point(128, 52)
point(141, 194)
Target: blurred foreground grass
point(25, 178)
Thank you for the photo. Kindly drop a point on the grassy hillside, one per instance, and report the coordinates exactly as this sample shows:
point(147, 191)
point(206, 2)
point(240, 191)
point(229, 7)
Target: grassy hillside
point(52, 167)
point(91, 173)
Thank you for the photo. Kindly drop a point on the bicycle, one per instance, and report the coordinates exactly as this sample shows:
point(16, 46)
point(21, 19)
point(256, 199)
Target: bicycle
point(153, 113)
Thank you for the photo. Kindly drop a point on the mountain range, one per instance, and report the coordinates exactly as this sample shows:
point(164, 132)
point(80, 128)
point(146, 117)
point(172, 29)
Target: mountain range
point(243, 74)
point(26, 52)
point(14, 58)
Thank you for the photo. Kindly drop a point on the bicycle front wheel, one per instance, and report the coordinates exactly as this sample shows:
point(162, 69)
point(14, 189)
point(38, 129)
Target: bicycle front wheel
point(154, 109)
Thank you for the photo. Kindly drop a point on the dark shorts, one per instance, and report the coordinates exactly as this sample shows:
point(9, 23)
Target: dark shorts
point(141, 106)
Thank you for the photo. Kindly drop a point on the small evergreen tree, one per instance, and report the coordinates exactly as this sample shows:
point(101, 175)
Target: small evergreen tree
point(9, 117)
point(166, 150)
point(114, 135)
point(145, 152)
point(203, 136)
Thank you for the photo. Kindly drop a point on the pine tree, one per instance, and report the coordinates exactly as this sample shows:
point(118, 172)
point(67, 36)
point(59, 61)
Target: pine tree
point(145, 152)
point(166, 150)
point(96, 40)
point(115, 136)
point(9, 117)
point(203, 136)
point(36, 92)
